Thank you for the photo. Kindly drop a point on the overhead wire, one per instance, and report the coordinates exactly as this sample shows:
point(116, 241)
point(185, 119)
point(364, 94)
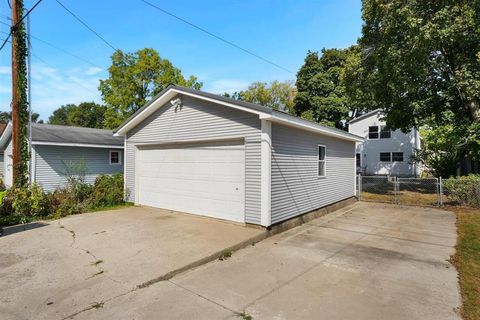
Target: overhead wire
point(217, 37)
point(86, 25)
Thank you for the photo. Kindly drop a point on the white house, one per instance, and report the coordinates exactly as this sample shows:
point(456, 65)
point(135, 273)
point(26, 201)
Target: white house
point(383, 152)
point(60, 151)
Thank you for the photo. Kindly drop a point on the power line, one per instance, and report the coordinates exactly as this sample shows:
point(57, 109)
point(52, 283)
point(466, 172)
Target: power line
point(59, 49)
point(86, 25)
point(12, 28)
point(218, 37)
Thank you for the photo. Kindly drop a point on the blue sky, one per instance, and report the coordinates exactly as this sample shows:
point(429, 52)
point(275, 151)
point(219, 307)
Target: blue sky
point(279, 30)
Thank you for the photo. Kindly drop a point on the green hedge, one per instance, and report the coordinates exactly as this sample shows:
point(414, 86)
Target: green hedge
point(21, 205)
point(464, 191)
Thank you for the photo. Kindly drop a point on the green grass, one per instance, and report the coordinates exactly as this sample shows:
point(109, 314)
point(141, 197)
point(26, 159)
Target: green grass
point(467, 260)
point(118, 206)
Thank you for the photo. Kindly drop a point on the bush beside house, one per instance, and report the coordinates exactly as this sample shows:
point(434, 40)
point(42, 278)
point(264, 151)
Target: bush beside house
point(21, 205)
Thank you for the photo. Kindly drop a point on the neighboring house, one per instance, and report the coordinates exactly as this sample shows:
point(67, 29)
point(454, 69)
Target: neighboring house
point(61, 151)
point(205, 154)
point(383, 151)
point(2, 128)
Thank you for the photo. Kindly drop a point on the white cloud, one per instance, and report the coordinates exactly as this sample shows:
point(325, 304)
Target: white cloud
point(93, 71)
point(226, 85)
point(5, 89)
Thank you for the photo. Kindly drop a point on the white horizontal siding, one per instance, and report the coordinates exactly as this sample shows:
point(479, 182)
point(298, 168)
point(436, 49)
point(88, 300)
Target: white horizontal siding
point(296, 187)
point(197, 120)
point(52, 164)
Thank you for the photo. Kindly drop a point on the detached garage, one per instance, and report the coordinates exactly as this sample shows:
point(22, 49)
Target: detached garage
point(200, 153)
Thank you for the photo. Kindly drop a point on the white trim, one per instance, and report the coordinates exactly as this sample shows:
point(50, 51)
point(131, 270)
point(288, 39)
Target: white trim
point(324, 160)
point(68, 144)
point(6, 135)
point(119, 158)
point(125, 168)
point(137, 161)
point(33, 166)
point(199, 140)
point(266, 174)
point(308, 126)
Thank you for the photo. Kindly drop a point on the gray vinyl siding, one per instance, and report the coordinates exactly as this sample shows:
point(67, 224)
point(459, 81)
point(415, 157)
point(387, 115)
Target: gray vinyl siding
point(296, 187)
point(54, 163)
point(196, 120)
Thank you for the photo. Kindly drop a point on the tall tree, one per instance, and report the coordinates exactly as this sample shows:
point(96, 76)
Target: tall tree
point(86, 114)
point(321, 93)
point(134, 78)
point(424, 60)
point(275, 95)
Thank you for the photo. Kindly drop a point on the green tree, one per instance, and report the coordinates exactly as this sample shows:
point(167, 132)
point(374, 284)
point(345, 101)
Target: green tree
point(134, 78)
point(275, 95)
point(86, 114)
point(321, 93)
point(423, 60)
point(5, 117)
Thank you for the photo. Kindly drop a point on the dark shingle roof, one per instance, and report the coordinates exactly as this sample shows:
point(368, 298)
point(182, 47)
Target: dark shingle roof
point(65, 134)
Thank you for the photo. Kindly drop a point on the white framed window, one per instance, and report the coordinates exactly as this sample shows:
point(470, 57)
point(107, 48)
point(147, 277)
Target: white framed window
point(397, 156)
point(115, 157)
point(385, 157)
point(358, 159)
point(373, 132)
point(385, 132)
point(322, 160)
point(379, 132)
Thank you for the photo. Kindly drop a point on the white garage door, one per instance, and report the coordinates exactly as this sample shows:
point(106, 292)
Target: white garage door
point(204, 179)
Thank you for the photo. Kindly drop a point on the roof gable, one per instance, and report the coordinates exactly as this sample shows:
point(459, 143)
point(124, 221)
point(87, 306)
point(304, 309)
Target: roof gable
point(172, 91)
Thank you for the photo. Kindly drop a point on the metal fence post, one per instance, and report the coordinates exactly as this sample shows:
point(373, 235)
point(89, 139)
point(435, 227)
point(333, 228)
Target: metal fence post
point(359, 186)
point(395, 190)
point(440, 191)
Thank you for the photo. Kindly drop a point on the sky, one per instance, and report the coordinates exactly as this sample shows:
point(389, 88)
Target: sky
point(281, 31)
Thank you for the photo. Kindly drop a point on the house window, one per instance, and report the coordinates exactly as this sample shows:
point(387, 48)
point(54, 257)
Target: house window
point(385, 132)
point(322, 163)
point(397, 156)
point(373, 132)
point(115, 157)
point(385, 157)
point(358, 159)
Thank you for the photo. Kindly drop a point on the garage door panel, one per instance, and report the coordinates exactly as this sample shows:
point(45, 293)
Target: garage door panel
point(200, 179)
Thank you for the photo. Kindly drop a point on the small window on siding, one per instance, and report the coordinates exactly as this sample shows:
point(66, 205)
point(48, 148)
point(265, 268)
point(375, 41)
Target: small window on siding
point(373, 132)
point(358, 159)
point(385, 157)
point(385, 132)
point(397, 156)
point(322, 160)
point(115, 157)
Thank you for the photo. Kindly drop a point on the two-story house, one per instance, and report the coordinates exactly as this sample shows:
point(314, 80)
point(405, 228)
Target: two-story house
point(384, 151)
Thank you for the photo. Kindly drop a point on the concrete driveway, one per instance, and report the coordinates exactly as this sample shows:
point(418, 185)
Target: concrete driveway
point(368, 261)
point(57, 269)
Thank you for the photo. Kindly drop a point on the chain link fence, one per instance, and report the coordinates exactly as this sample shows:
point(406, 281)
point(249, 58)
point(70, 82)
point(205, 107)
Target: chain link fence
point(419, 191)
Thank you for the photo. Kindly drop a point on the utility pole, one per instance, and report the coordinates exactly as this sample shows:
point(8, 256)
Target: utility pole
point(16, 154)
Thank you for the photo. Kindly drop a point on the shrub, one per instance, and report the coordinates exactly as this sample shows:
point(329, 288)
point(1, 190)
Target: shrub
point(71, 199)
point(464, 190)
point(107, 191)
point(2, 185)
point(20, 205)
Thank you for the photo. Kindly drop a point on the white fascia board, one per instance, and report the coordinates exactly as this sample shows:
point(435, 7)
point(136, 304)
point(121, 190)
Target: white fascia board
point(297, 123)
point(6, 135)
point(166, 97)
point(67, 144)
point(266, 174)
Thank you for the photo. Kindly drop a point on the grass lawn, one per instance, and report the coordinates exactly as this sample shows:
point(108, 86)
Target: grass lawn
point(467, 260)
point(404, 197)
